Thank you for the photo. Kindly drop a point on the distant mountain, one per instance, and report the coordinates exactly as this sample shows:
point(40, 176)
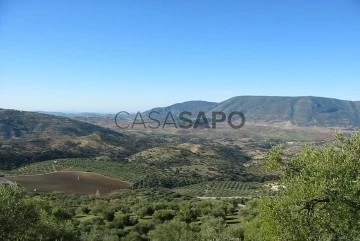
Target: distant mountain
point(176, 109)
point(194, 106)
point(79, 114)
point(303, 111)
point(100, 119)
point(27, 137)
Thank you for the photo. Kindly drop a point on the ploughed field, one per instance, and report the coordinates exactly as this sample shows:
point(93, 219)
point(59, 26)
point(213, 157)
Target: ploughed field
point(70, 182)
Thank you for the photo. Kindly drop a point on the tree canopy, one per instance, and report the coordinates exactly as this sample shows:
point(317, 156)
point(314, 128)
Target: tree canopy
point(29, 218)
point(319, 196)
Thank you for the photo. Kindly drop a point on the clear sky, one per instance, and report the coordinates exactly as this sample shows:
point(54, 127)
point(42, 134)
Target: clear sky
point(107, 56)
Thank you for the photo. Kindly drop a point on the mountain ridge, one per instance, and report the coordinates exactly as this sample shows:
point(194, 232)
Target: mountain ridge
point(300, 110)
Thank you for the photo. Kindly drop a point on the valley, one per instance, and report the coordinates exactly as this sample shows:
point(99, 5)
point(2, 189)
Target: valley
point(135, 184)
point(186, 161)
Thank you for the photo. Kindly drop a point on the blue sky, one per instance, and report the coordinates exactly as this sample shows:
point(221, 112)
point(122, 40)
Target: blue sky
point(107, 56)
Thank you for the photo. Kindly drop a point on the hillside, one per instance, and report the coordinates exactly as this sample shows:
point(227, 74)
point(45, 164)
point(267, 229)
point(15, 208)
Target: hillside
point(297, 110)
point(175, 109)
point(194, 106)
point(302, 111)
point(27, 137)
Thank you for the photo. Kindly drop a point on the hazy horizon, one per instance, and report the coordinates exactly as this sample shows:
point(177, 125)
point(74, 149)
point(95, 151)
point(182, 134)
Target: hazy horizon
point(134, 111)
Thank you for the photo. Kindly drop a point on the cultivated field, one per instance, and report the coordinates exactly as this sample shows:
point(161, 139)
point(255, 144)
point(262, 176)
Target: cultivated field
point(130, 172)
point(70, 182)
point(218, 189)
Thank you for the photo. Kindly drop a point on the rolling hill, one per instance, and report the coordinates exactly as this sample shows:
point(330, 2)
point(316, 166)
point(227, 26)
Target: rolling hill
point(27, 137)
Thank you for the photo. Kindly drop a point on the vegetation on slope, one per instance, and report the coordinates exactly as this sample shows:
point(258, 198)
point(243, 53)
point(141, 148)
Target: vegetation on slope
point(306, 110)
point(27, 137)
point(30, 218)
point(318, 198)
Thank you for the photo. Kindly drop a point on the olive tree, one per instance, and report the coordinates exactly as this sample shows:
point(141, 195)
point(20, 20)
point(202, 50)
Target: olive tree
point(319, 198)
